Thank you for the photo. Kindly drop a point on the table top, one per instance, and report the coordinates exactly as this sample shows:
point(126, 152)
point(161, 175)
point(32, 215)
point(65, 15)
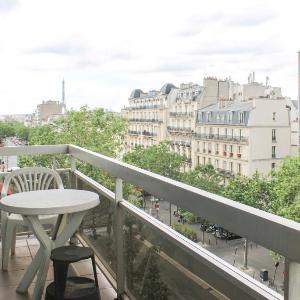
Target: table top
point(46, 202)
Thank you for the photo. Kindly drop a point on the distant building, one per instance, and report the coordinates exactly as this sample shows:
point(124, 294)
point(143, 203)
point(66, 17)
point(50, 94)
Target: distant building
point(221, 122)
point(48, 110)
point(242, 137)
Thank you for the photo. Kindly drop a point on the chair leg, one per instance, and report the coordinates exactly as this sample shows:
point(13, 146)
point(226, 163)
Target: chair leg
point(13, 242)
point(6, 244)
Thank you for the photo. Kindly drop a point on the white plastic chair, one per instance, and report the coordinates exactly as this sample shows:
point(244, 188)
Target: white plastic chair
point(24, 180)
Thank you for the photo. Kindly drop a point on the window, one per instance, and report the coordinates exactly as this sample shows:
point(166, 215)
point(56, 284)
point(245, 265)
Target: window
point(198, 160)
point(239, 168)
point(273, 151)
point(273, 135)
point(231, 148)
point(242, 117)
point(231, 166)
point(226, 132)
point(209, 160)
point(218, 132)
point(240, 134)
point(232, 133)
point(224, 164)
point(217, 147)
point(239, 149)
point(274, 116)
point(204, 160)
point(225, 147)
point(273, 165)
point(216, 163)
point(229, 116)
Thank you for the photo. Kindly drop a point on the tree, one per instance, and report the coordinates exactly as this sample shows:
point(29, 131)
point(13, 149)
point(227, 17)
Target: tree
point(186, 231)
point(152, 287)
point(204, 177)
point(93, 129)
point(158, 159)
point(285, 189)
point(9, 129)
point(254, 191)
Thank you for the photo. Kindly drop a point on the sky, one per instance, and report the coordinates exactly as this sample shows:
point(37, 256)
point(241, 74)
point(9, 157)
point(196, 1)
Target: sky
point(105, 49)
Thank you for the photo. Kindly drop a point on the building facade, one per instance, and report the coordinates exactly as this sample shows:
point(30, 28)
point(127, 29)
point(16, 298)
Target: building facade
point(238, 128)
point(48, 110)
point(243, 137)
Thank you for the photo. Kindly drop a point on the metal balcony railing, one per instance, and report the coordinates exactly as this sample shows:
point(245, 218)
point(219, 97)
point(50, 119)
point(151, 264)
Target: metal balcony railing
point(126, 239)
point(180, 129)
point(225, 138)
point(144, 107)
point(181, 114)
point(145, 120)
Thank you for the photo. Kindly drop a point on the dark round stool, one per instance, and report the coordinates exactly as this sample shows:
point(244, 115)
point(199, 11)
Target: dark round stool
point(79, 288)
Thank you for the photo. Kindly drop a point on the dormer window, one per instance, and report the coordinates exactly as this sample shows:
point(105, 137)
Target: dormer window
point(229, 116)
point(242, 117)
point(209, 116)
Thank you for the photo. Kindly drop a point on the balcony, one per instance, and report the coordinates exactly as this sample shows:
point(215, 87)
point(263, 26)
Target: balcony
point(239, 155)
point(138, 107)
point(145, 120)
point(224, 153)
point(126, 239)
point(181, 114)
point(148, 133)
point(225, 138)
point(174, 129)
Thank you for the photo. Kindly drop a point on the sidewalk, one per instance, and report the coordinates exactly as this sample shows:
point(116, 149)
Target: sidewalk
point(232, 251)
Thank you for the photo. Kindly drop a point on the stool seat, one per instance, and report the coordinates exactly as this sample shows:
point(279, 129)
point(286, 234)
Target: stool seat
point(71, 254)
point(77, 288)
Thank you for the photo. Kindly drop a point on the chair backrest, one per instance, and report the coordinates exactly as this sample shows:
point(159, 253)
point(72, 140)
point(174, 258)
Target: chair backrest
point(31, 179)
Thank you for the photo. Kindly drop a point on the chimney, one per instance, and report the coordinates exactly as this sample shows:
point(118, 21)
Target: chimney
point(267, 81)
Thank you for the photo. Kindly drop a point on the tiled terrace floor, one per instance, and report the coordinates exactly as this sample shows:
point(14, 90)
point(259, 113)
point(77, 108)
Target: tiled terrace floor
point(26, 249)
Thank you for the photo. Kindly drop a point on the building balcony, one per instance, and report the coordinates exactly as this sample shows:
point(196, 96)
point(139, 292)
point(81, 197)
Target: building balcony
point(181, 114)
point(145, 120)
point(139, 107)
point(133, 132)
point(144, 133)
point(224, 138)
point(127, 241)
point(224, 153)
point(148, 133)
point(231, 154)
point(179, 129)
point(239, 155)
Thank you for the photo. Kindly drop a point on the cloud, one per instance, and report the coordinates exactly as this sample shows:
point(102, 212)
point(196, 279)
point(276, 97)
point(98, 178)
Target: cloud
point(7, 5)
point(250, 18)
point(66, 47)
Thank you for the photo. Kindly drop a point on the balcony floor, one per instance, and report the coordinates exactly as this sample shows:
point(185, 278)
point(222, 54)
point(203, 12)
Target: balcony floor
point(26, 249)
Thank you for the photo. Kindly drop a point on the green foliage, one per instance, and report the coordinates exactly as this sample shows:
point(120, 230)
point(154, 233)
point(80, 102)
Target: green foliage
point(152, 287)
point(253, 191)
point(9, 129)
point(158, 159)
point(187, 216)
point(186, 231)
point(285, 188)
point(204, 177)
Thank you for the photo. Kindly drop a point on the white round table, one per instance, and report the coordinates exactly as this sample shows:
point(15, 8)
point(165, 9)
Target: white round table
point(69, 205)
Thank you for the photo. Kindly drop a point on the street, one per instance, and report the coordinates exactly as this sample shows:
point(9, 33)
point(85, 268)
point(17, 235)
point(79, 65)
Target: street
point(232, 251)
